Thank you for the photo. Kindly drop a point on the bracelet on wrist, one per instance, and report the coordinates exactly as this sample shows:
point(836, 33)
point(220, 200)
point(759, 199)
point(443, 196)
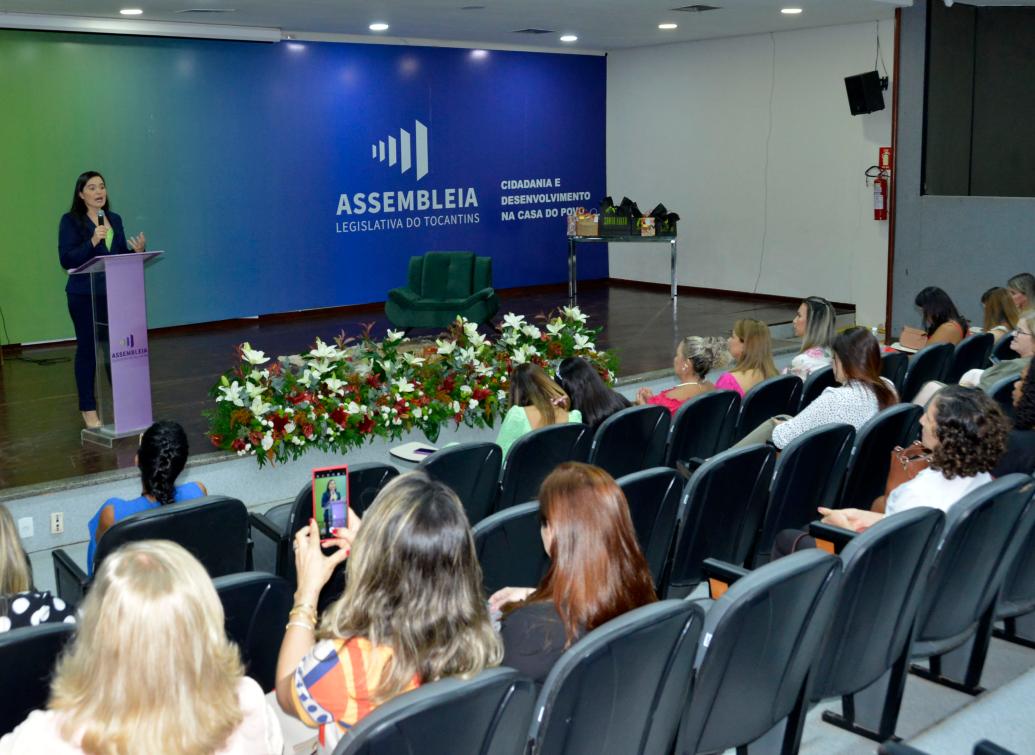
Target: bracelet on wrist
point(300, 625)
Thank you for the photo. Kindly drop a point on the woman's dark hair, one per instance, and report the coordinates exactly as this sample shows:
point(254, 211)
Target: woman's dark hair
point(597, 570)
point(938, 309)
point(971, 431)
point(588, 392)
point(1024, 411)
point(160, 458)
point(859, 354)
point(78, 205)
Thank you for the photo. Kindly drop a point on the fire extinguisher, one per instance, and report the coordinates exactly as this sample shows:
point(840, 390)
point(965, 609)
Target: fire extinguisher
point(880, 198)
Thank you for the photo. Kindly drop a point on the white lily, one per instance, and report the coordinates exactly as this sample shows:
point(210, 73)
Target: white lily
point(466, 355)
point(478, 340)
point(418, 413)
point(482, 369)
point(252, 356)
point(353, 408)
point(259, 407)
point(470, 328)
point(501, 394)
point(334, 384)
point(518, 355)
point(389, 366)
point(555, 326)
point(574, 313)
point(394, 335)
point(290, 427)
point(404, 386)
point(267, 441)
point(412, 359)
point(531, 331)
point(583, 342)
point(231, 393)
point(445, 348)
point(254, 390)
point(510, 320)
point(466, 390)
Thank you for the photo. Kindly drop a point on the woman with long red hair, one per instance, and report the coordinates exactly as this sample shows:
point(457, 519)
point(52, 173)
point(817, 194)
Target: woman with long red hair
point(597, 570)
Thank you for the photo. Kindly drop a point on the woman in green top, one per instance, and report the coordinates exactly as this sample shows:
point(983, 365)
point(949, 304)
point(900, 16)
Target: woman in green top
point(535, 401)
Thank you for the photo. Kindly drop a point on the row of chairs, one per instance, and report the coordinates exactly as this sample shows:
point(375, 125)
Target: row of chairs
point(731, 508)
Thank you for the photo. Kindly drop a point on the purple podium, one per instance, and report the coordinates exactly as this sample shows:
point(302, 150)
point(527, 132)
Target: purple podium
point(120, 341)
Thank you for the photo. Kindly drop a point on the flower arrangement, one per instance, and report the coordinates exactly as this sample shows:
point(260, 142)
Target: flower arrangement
point(341, 395)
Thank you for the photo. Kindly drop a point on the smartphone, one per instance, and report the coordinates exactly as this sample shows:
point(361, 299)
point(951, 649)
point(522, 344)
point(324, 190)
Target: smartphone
point(330, 500)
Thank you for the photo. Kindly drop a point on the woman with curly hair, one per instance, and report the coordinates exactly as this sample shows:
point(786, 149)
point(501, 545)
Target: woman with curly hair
point(1020, 448)
point(695, 357)
point(966, 431)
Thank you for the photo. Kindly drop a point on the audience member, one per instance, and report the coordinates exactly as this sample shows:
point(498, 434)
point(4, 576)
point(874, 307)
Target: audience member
point(1022, 343)
point(588, 392)
point(814, 325)
point(412, 612)
point(151, 669)
point(20, 604)
point(1022, 290)
point(1000, 313)
point(160, 458)
point(861, 394)
point(535, 401)
point(942, 321)
point(1020, 446)
point(695, 358)
point(597, 571)
point(752, 348)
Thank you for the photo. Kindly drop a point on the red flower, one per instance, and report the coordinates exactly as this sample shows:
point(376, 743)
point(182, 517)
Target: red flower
point(307, 430)
point(366, 425)
point(279, 422)
point(339, 416)
point(449, 383)
point(255, 437)
point(275, 369)
point(374, 380)
point(217, 440)
point(238, 444)
point(480, 394)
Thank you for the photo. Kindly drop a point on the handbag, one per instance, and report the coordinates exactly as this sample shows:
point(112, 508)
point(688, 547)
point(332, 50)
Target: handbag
point(906, 463)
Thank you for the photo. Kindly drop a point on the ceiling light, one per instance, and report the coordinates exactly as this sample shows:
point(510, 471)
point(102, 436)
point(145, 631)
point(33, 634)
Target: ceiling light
point(790, 11)
point(569, 38)
point(379, 26)
point(131, 11)
point(668, 26)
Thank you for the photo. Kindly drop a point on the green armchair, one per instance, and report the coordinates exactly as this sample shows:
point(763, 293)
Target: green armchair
point(441, 286)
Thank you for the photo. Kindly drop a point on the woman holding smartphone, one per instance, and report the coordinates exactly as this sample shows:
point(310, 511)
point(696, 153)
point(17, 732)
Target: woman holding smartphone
point(89, 229)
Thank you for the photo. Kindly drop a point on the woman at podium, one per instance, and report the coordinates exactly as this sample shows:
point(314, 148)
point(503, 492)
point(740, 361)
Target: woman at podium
point(86, 231)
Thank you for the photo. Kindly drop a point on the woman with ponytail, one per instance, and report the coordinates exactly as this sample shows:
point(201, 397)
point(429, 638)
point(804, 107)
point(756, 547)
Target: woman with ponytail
point(160, 458)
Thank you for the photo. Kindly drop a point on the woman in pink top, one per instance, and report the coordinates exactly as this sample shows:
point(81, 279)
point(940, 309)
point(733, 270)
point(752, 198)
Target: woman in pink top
point(695, 358)
point(150, 669)
point(751, 346)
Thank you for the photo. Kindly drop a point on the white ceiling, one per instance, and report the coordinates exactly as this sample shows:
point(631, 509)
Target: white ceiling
point(599, 24)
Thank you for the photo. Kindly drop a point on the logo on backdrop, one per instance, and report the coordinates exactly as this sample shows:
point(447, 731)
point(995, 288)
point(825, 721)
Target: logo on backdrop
point(128, 349)
point(401, 149)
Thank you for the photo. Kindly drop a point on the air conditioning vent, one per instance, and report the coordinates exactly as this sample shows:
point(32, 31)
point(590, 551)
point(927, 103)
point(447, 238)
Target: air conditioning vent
point(532, 31)
point(208, 10)
point(696, 8)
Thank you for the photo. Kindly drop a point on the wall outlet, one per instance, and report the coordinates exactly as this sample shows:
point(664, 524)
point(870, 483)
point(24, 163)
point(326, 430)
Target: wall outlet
point(57, 523)
point(25, 527)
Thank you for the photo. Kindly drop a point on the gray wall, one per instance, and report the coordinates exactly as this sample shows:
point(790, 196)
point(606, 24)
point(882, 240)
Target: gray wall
point(962, 244)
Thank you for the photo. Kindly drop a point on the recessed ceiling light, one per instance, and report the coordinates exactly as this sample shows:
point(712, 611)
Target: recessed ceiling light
point(131, 11)
point(668, 26)
point(569, 38)
point(379, 26)
point(790, 11)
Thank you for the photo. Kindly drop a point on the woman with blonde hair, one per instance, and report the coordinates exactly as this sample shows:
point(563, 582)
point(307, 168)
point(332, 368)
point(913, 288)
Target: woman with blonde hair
point(412, 611)
point(151, 669)
point(1000, 313)
point(1021, 288)
point(814, 325)
point(695, 358)
point(752, 348)
point(597, 570)
point(535, 401)
point(20, 604)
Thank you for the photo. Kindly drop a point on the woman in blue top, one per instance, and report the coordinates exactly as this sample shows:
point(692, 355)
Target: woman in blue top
point(160, 458)
point(86, 231)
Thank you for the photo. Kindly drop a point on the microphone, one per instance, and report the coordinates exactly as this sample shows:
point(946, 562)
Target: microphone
point(100, 217)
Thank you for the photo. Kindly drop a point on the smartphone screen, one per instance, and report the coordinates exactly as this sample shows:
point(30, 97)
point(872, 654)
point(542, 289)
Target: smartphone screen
point(424, 451)
point(330, 499)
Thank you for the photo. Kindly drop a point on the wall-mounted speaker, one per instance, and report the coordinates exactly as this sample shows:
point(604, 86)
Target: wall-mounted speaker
point(864, 92)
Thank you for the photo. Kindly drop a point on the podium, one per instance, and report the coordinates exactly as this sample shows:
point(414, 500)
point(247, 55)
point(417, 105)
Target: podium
point(120, 344)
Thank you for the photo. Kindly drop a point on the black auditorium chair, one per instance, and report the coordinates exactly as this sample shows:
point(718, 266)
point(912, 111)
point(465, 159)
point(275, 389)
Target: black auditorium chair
point(1002, 392)
point(871, 455)
point(817, 382)
point(777, 395)
point(930, 363)
point(255, 606)
point(953, 623)
point(534, 455)
point(653, 496)
point(213, 528)
point(611, 692)
point(970, 354)
point(472, 470)
point(510, 548)
point(280, 523)
point(893, 366)
point(759, 641)
point(27, 657)
point(486, 715)
point(883, 572)
point(1003, 349)
point(1016, 607)
point(702, 427)
point(719, 516)
point(631, 440)
point(809, 473)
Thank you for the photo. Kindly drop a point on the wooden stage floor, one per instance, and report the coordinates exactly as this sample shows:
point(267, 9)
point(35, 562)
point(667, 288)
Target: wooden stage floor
point(40, 422)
